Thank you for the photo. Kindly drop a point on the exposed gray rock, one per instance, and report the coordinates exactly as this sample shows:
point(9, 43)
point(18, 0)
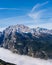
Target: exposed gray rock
point(24, 40)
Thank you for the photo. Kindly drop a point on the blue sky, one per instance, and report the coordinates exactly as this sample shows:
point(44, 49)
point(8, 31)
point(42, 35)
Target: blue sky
point(33, 13)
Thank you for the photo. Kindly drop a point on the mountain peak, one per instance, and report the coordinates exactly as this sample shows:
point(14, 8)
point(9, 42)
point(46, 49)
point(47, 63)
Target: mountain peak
point(20, 28)
point(20, 38)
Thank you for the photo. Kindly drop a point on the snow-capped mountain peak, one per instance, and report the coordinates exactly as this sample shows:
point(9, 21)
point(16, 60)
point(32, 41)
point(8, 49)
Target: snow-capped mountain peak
point(25, 29)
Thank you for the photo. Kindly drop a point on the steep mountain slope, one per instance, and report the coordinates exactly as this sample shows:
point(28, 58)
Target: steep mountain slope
point(36, 42)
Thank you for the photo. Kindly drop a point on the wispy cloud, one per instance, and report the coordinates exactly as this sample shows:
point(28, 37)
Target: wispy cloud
point(39, 5)
point(37, 15)
point(36, 6)
point(9, 9)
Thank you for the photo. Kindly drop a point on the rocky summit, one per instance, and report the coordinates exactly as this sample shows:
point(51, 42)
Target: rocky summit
point(35, 42)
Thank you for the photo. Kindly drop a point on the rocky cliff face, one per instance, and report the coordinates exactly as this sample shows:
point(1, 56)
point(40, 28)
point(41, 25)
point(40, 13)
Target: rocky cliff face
point(24, 40)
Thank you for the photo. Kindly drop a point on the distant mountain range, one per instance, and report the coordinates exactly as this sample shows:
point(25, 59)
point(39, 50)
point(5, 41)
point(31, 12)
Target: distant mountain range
point(36, 42)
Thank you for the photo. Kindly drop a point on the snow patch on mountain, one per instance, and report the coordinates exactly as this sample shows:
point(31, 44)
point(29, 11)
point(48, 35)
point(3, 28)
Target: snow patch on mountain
point(24, 29)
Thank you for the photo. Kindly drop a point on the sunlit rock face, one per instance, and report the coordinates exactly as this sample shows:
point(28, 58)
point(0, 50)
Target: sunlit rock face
point(35, 42)
point(10, 57)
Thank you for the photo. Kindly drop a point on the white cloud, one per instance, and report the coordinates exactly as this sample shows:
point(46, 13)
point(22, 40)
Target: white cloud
point(8, 56)
point(45, 25)
point(40, 16)
point(44, 3)
point(9, 9)
point(36, 6)
point(1, 29)
point(37, 15)
point(39, 5)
